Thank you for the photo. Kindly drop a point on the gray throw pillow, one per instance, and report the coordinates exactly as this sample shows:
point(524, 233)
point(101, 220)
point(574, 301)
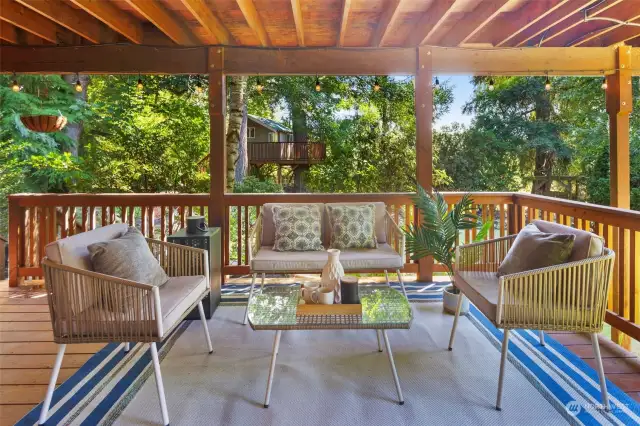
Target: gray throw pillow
point(353, 226)
point(533, 249)
point(127, 257)
point(298, 228)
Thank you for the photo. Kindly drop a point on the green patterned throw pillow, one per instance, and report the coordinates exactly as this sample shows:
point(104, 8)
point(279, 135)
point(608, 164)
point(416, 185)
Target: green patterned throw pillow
point(298, 228)
point(353, 226)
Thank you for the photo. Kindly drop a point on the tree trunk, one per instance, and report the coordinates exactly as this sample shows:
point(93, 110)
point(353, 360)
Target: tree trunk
point(237, 88)
point(544, 158)
point(299, 121)
point(243, 159)
point(74, 130)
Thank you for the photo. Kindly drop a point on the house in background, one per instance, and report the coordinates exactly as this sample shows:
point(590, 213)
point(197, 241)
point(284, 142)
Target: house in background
point(270, 142)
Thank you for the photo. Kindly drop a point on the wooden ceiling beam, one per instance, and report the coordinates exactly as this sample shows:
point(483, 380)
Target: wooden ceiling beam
point(344, 19)
point(72, 19)
point(389, 14)
point(205, 16)
point(8, 32)
point(252, 17)
point(619, 34)
point(472, 23)
point(430, 22)
point(624, 12)
point(166, 22)
point(297, 19)
point(28, 20)
point(114, 17)
point(534, 19)
point(570, 28)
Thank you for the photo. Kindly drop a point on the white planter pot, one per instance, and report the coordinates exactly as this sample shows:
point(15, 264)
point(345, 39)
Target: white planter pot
point(450, 302)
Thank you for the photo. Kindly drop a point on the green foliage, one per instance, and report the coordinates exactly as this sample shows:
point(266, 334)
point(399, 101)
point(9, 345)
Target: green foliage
point(253, 185)
point(438, 232)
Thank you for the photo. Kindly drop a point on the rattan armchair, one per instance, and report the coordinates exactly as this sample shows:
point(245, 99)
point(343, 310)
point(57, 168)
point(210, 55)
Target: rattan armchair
point(89, 307)
point(390, 253)
point(567, 297)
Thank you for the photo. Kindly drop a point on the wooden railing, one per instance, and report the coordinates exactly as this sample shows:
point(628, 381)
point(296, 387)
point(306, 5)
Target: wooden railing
point(37, 219)
point(286, 152)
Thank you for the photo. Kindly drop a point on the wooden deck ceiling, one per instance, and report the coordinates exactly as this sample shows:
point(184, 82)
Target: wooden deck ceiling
point(322, 23)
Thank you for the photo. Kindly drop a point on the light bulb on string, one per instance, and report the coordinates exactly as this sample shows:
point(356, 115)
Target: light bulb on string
point(14, 84)
point(547, 84)
point(376, 85)
point(78, 85)
point(140, 85)
point(199, 87)
point(318, 87)
point(259, 85)
point(437, 84)
point(604, 83)
point(491, 85)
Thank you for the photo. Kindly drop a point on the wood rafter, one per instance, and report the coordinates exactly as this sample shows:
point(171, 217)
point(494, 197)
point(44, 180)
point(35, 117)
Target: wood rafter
point(618, 34)
point(254, 21)
point(384, 23)
point(430, 21)
point(624, 12)
point(201, 11)
point(28, 20)
point(114, 17)
point(472, 23)
point(8, 32)
point(297, 18)
point(534, 20)
point(72, 19)
point(568, 28)
point(344, 19)
point(165, 21)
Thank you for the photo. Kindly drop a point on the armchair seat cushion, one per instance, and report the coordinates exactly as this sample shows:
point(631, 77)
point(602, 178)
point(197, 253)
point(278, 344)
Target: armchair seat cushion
point(481, 288)
point(268, 260)
point(177, 295)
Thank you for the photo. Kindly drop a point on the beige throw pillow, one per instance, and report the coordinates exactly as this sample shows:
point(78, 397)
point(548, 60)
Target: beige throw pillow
point(353, 226)
point(298, 228)
point(127, 257)
point(533, 249)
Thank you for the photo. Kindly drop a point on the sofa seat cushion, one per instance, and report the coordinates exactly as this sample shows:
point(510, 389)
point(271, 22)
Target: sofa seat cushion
point(268, 260)
point(481, 288)
point(177, 295)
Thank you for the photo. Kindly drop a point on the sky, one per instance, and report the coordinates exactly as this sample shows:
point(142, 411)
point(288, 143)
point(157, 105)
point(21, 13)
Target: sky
point(462, 91)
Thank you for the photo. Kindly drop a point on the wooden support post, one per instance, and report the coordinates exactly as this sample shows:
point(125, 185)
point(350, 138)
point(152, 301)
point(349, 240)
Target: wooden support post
point(424, 137)
point(619, 107)
point(217, 144)
point(14, 241)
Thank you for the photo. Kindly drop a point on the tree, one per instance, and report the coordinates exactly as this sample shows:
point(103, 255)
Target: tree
point(237, 92)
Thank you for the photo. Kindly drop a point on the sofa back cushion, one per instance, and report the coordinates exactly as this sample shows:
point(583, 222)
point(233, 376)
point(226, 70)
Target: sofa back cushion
point(586, 245)
point(269, 227)
point(380, 209)
point(72, 251)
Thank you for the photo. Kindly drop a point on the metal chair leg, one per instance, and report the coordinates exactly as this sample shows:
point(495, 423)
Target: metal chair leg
point(603, 380)
point(127, 347)
point(246, 310)
point(159, 384)
point(402, 283)
point(393, 367)
point(541, 334)
point(379, 343)
point(276, 347)
point(455, 321)
point(203, 318)
point(52, 384)
point(262, 283)
point(386, 276)
point(503, 359)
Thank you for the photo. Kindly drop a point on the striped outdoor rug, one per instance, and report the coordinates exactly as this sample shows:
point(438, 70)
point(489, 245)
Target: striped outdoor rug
point(100, 390)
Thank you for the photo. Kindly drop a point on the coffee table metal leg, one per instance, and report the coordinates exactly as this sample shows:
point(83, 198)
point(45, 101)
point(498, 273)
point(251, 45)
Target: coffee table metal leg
point(276, 345)
point(379, 342)
point(393, 367)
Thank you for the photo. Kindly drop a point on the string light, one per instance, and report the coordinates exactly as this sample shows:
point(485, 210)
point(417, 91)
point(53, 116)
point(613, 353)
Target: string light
point(198, 87)
point(437, 84)
point(376, 85)
point(547, 84)
point(259, 85)
point(491, 86)
point(140, 85)
point(604, 83)
point(14, 85)
point(318, 87)
point(78, 85)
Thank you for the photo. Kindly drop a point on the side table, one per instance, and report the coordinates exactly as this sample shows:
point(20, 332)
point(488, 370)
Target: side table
point(211, 241)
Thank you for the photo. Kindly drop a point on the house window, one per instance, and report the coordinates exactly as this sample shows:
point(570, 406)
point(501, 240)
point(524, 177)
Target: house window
point(273, 137)
point(251, 132)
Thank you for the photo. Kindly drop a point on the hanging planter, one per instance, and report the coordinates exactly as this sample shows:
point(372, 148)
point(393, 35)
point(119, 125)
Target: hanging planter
point(44, 123)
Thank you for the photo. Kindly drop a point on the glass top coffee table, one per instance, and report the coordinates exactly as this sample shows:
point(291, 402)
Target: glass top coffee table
point(382, 308)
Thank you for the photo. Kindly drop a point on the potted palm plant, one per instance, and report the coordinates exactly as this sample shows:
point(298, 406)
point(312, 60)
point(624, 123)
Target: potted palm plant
point(438, 234)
